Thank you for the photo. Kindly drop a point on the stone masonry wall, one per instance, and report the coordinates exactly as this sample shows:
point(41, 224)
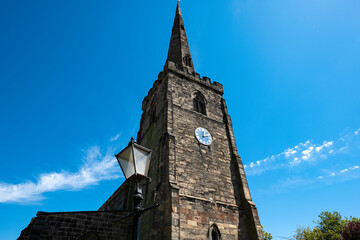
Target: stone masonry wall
point(195, 185)
point(205, 174)
point(156, 223)
point(73, 225)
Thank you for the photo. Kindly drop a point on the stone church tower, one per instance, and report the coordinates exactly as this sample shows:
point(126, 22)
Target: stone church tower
point(197, 174)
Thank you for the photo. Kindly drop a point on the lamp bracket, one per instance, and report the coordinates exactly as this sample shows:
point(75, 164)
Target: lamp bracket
point(141, 211)
point(148, 181)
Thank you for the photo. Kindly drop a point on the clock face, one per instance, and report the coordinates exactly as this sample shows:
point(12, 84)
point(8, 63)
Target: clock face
point(203, 136)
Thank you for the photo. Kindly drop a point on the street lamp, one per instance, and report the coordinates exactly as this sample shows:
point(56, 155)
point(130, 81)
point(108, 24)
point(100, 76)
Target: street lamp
point(134, 161)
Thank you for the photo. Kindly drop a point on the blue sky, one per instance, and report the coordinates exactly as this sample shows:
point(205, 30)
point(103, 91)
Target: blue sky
point(73, 75)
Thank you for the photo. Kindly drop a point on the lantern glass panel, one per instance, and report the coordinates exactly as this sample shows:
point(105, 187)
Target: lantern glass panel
point(126, 161)
point(142, 160)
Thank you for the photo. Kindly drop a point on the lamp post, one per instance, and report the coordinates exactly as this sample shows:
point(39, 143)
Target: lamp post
point(134, 161)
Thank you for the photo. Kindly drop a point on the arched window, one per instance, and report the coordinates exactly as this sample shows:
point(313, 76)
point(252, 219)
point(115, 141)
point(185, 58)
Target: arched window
point(199, 103)
point(89, 236)
point(214, 233)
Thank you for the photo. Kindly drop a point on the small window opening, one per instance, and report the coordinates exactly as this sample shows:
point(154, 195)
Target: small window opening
point(199, 104)
point(214, 232)
point(214, 235)
point(182, 27)
point(187, 61)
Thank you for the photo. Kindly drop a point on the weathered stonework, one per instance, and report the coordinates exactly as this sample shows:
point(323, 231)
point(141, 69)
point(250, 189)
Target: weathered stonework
point(202, 190)
point(198, 185)
point(78, 225)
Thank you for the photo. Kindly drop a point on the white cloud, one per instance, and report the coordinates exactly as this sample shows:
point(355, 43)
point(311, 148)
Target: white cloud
point(289, 152)
point(116, 137)
point(310, 165)
point(341, 172)
point(295, 182)
point(312, 152)
point(305, 153)
point(95, 168)
point(343, 149)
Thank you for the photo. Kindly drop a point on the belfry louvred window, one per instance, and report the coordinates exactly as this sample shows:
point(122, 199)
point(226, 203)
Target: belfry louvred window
point(199, 103)
point(187, 61)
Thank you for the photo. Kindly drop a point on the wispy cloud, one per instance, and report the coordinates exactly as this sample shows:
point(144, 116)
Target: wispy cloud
point(116, 137)
point(291, 183)
point(340, 172)
point(296, 182)
point(306, 152)
point(96, 167)
point(311, 165)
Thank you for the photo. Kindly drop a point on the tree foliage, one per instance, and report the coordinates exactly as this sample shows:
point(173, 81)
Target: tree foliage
point(331, 226)
point(352, 231)
point(266, 235)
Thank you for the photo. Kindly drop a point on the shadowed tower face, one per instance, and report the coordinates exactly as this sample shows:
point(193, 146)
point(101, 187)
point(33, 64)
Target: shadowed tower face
point(197, 175)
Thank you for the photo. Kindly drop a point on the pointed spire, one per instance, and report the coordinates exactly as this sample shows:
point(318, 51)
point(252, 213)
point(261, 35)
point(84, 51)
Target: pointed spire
point(179, 51)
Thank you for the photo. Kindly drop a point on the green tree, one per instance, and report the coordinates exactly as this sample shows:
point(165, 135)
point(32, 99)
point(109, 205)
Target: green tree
point(330, 226)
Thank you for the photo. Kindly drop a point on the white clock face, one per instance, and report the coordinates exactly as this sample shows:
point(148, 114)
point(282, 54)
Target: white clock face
point(203, 136)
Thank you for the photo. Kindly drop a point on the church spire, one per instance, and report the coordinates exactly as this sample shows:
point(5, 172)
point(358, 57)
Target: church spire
point(179, 51)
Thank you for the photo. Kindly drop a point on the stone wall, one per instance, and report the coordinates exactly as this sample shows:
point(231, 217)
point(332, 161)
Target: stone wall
point(196, 185)
point(206, 175)
point(73, 225)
